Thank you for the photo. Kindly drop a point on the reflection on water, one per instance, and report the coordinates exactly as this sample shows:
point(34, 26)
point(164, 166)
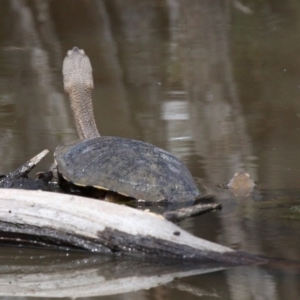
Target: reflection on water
point(86, 275)
point(216, 83)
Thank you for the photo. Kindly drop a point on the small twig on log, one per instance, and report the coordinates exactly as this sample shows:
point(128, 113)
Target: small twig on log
point(192, 211)
point(25, 169)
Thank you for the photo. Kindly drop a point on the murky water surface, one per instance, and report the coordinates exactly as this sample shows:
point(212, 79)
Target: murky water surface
point(217, 83)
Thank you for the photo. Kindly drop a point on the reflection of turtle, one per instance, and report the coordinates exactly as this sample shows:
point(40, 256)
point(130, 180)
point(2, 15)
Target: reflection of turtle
point(131, 168)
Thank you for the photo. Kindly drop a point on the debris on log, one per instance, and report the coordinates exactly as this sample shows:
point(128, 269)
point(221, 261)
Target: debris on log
point(72, 222)
point(26, 168)
point(19, 179)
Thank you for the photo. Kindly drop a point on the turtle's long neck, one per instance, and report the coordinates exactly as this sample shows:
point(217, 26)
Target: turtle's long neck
point(78, 83)
point(82, 107)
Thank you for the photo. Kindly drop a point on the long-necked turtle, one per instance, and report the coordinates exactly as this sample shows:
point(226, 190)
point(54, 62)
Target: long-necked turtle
point(128, 167)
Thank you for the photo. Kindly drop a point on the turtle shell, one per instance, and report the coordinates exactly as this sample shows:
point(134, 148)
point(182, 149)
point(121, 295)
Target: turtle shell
point(132, 168)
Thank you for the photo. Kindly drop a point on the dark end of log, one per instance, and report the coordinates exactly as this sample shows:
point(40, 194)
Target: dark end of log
point(112, 241)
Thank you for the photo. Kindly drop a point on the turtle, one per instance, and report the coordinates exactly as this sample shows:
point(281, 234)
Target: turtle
point(126, 167)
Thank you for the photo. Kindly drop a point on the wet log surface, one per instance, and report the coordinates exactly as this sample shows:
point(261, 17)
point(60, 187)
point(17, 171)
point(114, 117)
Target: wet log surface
point(76, 223)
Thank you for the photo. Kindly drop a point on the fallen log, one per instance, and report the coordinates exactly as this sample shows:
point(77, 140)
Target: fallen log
point(71, 222)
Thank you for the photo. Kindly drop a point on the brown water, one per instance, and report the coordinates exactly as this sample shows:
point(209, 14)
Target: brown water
point(217, 83)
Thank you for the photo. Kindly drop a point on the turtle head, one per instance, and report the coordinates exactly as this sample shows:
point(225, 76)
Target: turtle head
point(77, 71)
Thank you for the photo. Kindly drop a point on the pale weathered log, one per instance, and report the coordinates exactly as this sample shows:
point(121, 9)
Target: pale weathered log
point(68, 222)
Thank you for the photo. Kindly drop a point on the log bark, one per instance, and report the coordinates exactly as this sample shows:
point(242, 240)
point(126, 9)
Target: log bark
point(72, 222)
